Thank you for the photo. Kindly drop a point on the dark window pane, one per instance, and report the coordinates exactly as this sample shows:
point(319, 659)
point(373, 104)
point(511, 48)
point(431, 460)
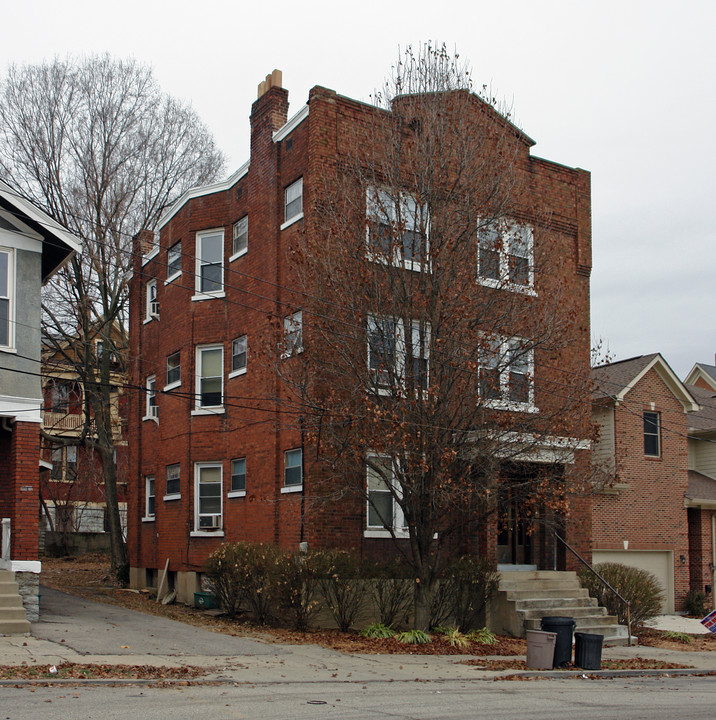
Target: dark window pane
point(519, 270)
point(210, 278)
point(519, 387)
point(380, 509)
point(489, 264)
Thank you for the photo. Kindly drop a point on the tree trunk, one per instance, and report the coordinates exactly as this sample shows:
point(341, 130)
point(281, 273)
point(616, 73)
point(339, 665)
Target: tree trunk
point(423, 596)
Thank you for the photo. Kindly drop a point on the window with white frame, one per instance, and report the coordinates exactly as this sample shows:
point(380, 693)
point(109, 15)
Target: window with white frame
point(505, 373)
point(238, 475)
point(505, 256)
point(152, 306)
point(152, 410)
point(174, 261)
point(209, 376)
point(651, 434)
point(383, 511)
point(238, 355)
point(7, 298)
point(241, 237)
point(293, 201)
point(173, 487)
point(293, 468)
point(208, 493)
point(173, 370)
point(149, 498)
point(210, 262)
point(397, 358)
point(293, 334)
point(397, 229)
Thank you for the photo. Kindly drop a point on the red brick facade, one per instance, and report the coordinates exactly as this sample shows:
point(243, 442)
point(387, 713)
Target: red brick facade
point(258, 290)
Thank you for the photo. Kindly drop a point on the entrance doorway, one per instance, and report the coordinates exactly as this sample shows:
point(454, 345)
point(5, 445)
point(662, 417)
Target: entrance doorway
point(514, 539)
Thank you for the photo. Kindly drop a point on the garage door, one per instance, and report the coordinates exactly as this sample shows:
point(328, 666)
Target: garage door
point(658, 562)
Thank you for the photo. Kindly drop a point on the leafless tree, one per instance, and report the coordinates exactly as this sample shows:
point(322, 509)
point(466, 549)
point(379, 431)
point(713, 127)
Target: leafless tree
point(104, 151)
point(422, 383)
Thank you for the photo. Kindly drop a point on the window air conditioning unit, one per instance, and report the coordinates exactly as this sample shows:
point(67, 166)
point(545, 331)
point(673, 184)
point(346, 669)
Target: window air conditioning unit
point(154, 308)
point(211, 523)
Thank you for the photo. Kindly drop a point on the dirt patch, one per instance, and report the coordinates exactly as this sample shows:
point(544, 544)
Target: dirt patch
point(661, 639)
point(637, 663)
point(78, 671)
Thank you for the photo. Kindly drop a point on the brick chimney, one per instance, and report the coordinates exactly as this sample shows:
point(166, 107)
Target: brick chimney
point(269, 112)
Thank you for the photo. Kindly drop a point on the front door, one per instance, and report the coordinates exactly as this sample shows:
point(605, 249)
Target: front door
point(514, 541)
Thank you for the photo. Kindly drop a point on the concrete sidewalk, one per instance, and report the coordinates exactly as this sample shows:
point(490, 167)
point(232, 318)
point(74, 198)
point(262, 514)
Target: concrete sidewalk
point(76, 630)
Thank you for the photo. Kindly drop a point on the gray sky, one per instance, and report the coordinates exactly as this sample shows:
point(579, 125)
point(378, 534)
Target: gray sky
point(624, 89)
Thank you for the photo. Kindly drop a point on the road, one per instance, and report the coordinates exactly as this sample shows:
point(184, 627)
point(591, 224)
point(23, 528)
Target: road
point(612, 699)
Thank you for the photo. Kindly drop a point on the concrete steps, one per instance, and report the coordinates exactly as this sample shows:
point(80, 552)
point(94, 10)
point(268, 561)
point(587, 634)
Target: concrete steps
point(13, 619)
point(525, 597)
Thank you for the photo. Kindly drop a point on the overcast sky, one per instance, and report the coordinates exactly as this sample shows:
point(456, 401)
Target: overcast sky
point(625, 89)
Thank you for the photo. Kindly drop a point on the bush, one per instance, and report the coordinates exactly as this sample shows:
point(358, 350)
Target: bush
point(413, 637)
point(392, 594)
point(341, 588)
point(377, 630)
point(242, 574)
point(639, 587)
point(696, 603)
point(297, 583)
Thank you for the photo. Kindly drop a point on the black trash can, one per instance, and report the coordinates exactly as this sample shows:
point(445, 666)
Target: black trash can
point(564, 627)
point(588, 650)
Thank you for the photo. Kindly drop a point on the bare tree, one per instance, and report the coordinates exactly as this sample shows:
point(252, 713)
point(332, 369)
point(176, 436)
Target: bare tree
point(104, 151)
point(434, 325)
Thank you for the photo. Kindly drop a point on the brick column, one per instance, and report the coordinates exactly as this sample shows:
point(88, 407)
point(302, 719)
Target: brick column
point(23, 490)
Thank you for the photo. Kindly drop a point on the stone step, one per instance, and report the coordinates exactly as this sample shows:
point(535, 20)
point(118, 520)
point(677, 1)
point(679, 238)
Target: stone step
point(573, 612)
point(14, 627)
point(583, 621)
point(10, 600)
point(7, 576)
point(12, 613)
point(538, 584)
point(537, 575)
point(556, 603)
point(517, 595)
point(8, 587)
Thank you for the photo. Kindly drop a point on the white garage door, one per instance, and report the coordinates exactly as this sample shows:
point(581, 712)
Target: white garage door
point(658, 562)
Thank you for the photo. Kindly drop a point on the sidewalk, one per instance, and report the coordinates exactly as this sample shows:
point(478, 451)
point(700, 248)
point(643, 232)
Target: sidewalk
point(76, 630)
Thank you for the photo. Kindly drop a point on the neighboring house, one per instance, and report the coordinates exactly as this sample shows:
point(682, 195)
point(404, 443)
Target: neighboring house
point(212, 456)
point(32, 248)
point(72, 492)
point(703, 376)
point(655, 508)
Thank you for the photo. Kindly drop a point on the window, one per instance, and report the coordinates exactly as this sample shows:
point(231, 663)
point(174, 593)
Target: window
point(70, 463)
point(173, 480)
point(149, 497)
point(505, 255)
point(152, 411)
point(397, 228)
point(241, 237)
point(63, 396)
point(210, 376)
point(396, 358)
point(56, 458)
point(651, 434)
point(173, 370)
point(293, 334)
point(293, 202)
point(238, 475)
point(208, 497)
point(293, 468)
point(152, 308)
point(505, 373)
point(174, 261)
point(7, 309)
point(210, 262)
point(383, 511)
point(238, 355)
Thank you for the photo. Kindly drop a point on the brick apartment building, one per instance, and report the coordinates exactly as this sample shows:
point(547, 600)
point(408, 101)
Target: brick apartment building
point(218, 451)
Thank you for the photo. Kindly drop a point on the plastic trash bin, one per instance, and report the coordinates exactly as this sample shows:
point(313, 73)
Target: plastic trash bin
point(588, 650)
point(564, 627)
point(540, 649)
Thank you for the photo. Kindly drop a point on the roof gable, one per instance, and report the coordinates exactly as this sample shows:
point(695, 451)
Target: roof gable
point(703, 372)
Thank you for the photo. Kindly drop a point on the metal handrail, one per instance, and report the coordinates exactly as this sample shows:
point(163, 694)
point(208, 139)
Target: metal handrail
point(604, 582)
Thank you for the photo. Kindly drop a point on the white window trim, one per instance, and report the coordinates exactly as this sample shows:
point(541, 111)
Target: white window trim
point(147, 517)
point(503, 282)
point(294, 320)
point(298, 216)
point(236, 493)
point(240, 371)
point(173, 496)
point(399, 530)
point(397, 260)
point(175, 383)
point(200, 409)
point(148, 413)
point(293, 220)
point(506, 404)
point(197, 531)
point(172, 386)
point(299, 486)
point(151, 313)
point(176, 495)
point(200, 294)
point(171, 278)
point(240, 253)
point(11, 346)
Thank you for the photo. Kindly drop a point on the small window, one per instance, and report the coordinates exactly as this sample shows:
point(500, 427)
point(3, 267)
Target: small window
point(293, 196)
point(238, 475)
point(651, 434)
point(173, 479)
point(293, 334)
point(152, 307)
point(506, 371)
point(7, 310)
point(505, 255)
point(210, 262)
point(152, 410)
point(56, 457)
point(174, 261)
point(71, 463)
point(241, 236)
point(174, 369)
point(210, 376)
point(149, 512)
point(238, 355)
point(293, 468)
point(382, 336)
point(383, 511)
point(208, 497)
